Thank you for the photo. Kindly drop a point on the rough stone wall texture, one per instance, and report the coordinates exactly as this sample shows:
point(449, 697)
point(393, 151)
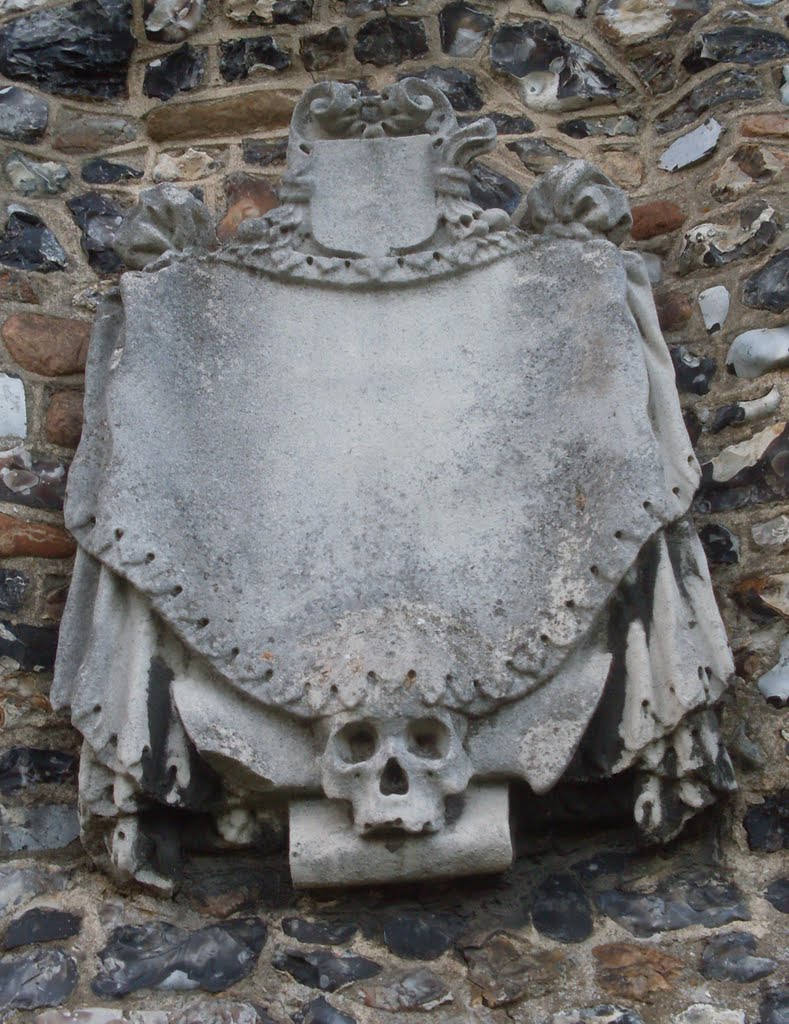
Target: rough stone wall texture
point(682, 103)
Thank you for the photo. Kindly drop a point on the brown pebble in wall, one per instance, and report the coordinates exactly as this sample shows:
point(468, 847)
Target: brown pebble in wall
point(63, 424)
point(40, 540)
point(49, 345)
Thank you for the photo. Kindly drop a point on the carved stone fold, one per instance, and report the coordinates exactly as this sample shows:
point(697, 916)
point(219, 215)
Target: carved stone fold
point(381, 506)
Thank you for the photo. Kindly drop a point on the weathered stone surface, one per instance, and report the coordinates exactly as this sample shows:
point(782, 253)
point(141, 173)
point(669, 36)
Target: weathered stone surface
point(757, 352)
point(774, 684)
point(20, 885)
point(409, 990)
point(107, 172)
point(561, 910)
point(537, 155)
point(772, 535)
point(266, 12)
point(81, 50)
point(463, 28)
point(171, 21)
point(160, 955)
point(605, 127)
point(31, 980)
point(21, 767)
point(750, 166)
point(596, 1015)
point(320, 1011)
point(753, 470)
point(63, 424)
point(656, 218)
point(679, 902)
point(76, 131)
point(705, 1013)
point(180, 71)
point(420, 936)
point(13, 587)
point(768, 287)
point(42, 924)
point(32, 177)
point(729, 957)
point(384, 41)
point(510, 124)
point(40, 540)
point(98, 218)
point(632, 22)
point(714, 305)
point(767, 824)
point(217, 1011)
point(506, 968)
point(190, 165)
point(323, 50)
point(28, 244)
point(635, 972)
point(13, 407)
point(49, 345)
point(23, 116)
point(714, 245)
point(245, 112)
point(240, 57)
point(325, 970)
point(555, 74)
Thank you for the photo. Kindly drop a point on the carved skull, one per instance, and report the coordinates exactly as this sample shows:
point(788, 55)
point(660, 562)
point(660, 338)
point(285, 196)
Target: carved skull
point(395, 771)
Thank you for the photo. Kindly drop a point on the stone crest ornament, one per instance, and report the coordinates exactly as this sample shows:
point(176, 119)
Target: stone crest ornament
point(380, 507)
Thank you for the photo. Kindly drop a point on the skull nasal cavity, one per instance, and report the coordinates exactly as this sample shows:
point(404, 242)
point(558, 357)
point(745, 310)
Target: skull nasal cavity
point(394, 781)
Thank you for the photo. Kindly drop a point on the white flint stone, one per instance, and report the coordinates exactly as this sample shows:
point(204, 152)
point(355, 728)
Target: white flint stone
point(760, 351)
point(758, 408)
point(190, 165)
point(772, 535)
point(785, 84)
point(732, 460)
point(705, 1013)
point(174, 20)
point(714, 305)
point(571, 7)
point(13, 407)
point(691, 148)
point(774, 684)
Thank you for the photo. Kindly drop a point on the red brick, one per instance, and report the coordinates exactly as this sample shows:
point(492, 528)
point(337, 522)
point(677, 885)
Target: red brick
point(656, 218)
point(39, 540)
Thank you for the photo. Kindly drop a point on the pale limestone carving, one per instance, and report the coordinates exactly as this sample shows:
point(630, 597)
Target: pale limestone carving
point(375, 517)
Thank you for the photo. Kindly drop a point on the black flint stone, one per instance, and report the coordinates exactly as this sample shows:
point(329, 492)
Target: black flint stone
point(23, 116)
point(28, 244)
point(538, 46)
point(738, 45)
point(31, 647)
point(325, 933)
point(459, 87)
point(80, 50)
point(13, 587)
point(319, 1011)
point(327, 971)
point(463, 28)
point(98, 218)
point(390, 40)
point(694, 373)
point(28, 981)
point(41, 925)
point(104, 172)
point(728, 87)
point(323, 49)
point(561, 909)
point(179, 71)
point(421, 936)
point(720, 545)
point(238, 57)
point(37, 483)
point(493, 191)
point(729, 957)
point(774, 1007)
point(767, 824)
point(292, 12)
point(727, 416)
point(678, 902)
point(768, 287)
point(507, 124)
point(777, 893)
point(766, 480)
point(150, 955)
point(26, 766)
point(264, 154)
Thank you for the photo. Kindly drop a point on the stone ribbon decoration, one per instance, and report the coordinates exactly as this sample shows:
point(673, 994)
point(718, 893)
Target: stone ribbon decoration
point(381, 506)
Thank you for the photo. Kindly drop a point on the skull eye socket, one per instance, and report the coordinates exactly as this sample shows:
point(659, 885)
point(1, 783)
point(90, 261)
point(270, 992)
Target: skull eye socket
point(428, 738)
point(356, 742)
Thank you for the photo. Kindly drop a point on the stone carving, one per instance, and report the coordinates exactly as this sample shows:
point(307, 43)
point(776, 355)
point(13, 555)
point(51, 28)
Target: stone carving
point(376, 514)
